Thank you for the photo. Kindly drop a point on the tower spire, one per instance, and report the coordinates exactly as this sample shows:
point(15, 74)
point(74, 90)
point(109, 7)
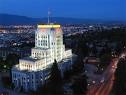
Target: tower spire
point(49, 16)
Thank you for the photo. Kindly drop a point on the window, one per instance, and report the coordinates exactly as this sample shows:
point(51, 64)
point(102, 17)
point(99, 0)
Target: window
point(32, 77)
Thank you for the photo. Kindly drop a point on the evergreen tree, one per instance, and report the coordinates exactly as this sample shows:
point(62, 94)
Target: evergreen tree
point(55, 80)
point(11, 60)
point(78, 66)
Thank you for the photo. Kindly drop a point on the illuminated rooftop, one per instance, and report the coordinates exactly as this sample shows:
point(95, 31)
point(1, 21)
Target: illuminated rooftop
point(49, 26)
point(30, 59)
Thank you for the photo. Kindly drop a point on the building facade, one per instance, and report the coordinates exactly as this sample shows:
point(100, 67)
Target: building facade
point(33, 71)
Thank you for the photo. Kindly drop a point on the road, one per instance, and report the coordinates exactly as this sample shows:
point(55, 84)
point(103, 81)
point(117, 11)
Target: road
point(105, 87)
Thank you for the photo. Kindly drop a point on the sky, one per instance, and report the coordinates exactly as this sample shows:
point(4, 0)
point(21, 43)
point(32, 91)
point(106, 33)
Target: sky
point(90, 9)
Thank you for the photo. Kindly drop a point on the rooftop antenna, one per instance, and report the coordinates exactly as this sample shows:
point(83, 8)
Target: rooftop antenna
point(49, 17)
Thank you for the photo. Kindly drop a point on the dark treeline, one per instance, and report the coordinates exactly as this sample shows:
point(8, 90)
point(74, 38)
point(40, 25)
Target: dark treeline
point(119, 87)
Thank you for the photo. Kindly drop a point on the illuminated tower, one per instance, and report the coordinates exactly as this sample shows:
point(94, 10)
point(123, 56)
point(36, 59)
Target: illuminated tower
point(50, 37)
point(35, 69)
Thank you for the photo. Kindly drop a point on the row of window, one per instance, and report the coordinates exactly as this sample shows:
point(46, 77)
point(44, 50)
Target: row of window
point(42, 36)
point(39, 54)
point(31, 67)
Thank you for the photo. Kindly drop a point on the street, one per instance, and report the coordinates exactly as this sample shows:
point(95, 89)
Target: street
point(104, 88)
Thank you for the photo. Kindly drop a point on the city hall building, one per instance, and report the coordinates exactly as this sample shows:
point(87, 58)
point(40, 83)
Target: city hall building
point(33, 71)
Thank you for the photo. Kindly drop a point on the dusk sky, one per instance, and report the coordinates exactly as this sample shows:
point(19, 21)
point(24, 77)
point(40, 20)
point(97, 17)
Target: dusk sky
point(91, 9)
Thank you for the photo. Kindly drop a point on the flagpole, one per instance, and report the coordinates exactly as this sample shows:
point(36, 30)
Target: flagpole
point(48, 17)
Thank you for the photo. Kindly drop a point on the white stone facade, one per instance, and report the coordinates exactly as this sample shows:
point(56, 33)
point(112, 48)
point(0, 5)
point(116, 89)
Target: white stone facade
point(33, 71)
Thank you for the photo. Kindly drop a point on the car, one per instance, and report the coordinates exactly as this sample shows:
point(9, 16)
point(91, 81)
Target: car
point(113, 66)
point(93, 82)
point(102, 80)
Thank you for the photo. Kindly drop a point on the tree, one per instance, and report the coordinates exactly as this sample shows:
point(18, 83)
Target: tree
point(1, 59)
point(21, 89)
point(94, 49)
point(6, 81)
point(42, 89)
point(78, 66)
point(118, 48)
point(55, 80)
point(120, 79)
point(67, 74)
point(1, 63)
point(105, 59)
point(82, 48)
point(80, 85)
point(11, 60)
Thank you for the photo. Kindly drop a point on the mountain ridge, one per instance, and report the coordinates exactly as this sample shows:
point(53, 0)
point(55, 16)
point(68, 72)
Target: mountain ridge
point(8, 19)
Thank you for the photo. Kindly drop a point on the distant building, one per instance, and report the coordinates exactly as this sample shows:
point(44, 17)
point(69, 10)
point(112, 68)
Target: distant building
point(34, 70)
point(22, 52)
point(92, 60)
